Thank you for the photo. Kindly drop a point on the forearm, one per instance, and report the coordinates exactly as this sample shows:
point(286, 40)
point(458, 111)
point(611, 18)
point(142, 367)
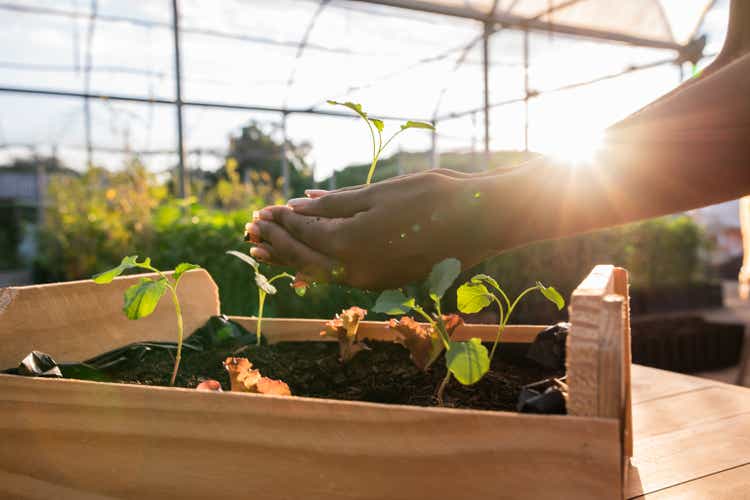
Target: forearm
point(689, 150)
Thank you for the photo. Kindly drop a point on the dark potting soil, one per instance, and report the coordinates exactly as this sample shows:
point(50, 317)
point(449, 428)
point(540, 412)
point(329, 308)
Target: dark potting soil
point(383, 374)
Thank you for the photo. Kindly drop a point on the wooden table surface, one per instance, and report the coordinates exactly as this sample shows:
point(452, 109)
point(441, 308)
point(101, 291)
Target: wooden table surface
point(691, 437)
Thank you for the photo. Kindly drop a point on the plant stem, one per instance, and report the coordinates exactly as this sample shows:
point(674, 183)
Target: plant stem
point(261, 302)
point(500, 327)
point(371, 173)
point(441, 389)
point(177, 311)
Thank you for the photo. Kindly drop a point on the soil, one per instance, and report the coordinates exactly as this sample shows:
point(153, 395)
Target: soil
point(383, 374)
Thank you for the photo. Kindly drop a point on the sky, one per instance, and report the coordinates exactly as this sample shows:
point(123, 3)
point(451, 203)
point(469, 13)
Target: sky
point(384, 58)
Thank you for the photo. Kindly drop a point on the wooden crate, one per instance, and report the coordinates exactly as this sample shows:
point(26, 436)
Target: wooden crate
point(76, 439)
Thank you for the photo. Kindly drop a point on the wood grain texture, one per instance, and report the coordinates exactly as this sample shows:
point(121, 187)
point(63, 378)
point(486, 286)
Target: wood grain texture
point(689, 429)
point(80, 319)
point(149, 442)
point(287, 329)
point(732, 484)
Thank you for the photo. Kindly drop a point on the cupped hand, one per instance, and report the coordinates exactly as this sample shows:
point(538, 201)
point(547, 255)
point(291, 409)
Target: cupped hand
point(380, 235)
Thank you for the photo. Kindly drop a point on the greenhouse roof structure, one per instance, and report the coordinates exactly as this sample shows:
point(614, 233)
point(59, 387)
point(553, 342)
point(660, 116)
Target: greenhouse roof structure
point(464, 64)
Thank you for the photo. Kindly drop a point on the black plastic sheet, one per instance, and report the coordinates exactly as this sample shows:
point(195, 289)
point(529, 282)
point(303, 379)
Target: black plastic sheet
point(548, 348)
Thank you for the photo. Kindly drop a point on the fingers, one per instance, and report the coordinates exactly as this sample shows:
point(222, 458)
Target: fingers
point(338, 204)
point(314, 232)
point(279, 247)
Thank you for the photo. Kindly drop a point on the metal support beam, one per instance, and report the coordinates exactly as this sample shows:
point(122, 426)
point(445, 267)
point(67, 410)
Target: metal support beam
point(526, 94)
point(486, 77)
point(203, 104)
point(434, 155)
point(178, 101)
point(285, 161)
point(510, 21)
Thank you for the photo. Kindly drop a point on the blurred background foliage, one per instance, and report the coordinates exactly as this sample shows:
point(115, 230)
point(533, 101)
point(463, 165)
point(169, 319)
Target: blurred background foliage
point(92, 220)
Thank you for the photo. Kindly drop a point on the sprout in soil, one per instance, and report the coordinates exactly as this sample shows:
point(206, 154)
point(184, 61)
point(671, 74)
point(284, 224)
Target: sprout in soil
point(265, 286)
point(467, 361)
point(344, 328)
point(375, 125)
point(141, 299)
point(473, 296)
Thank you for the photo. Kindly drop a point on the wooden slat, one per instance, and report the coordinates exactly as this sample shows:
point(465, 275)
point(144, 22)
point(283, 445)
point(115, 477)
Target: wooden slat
point(284, 329)
point(649, 384)
point(152, 442)
point(77, 320)
point(732, 484)
point(691, 452)
point(622, 288)
point(586, 314)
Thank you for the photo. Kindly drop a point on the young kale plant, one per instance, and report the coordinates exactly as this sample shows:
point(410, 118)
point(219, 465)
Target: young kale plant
point(377, 126)
point(468, 361)
point(474, 295)
point(265, 286)
point(142, 298)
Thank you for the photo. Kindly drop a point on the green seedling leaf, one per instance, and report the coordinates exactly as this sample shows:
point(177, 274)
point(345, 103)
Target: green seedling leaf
point(264, 284)
point(484, 278)
point(245, 258)
point(473, 297)
point(128, 262)
point(552, 295)
point(378, 124)
point(442, 276)
point(141, 299)
point(393, 302)
point(357, 108)
point(468, 361)
point(182, 268)
point(412, 124)
point(300, 290)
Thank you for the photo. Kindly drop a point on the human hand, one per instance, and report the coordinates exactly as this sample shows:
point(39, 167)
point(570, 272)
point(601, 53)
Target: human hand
point(380, 235)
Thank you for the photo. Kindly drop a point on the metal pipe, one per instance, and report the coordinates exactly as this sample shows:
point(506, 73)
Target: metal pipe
point(486, 78)
point(204, 104)
point(434, 158)
point(178, 101)
point(526, 91)
point(285, 161)
point(463, 10)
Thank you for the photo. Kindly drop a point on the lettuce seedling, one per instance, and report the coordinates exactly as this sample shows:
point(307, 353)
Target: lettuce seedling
point(473, 296)
point(243, 378)
point(468, 361)
point(265, 286)
point(344, 329)
point(141, 299)
point(375, 125)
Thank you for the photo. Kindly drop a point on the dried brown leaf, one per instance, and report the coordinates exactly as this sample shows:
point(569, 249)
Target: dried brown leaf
point(244, 378)
point(417, 338)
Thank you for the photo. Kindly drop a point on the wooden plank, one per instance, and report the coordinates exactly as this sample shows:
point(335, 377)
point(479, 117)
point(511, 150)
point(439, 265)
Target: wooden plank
point(77, 320)
point(687, 409)
point(622, 288)
point(286, 329)
point(732, 484)
point(152, 442)
point(582, 360)
point(694, 451)
point(652, 383)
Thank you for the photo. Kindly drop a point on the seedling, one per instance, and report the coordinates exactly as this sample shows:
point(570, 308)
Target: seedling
point(243, 378)
point(265, 286)
point(473, 296)
point(141, 299)
point(344, 329)
point(466, 360)
point(375, 125)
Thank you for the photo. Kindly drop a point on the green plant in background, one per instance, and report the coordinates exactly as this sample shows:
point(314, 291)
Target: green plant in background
point(375, 125)
point(265, 286)
point(473, 296)
point(142, 298)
